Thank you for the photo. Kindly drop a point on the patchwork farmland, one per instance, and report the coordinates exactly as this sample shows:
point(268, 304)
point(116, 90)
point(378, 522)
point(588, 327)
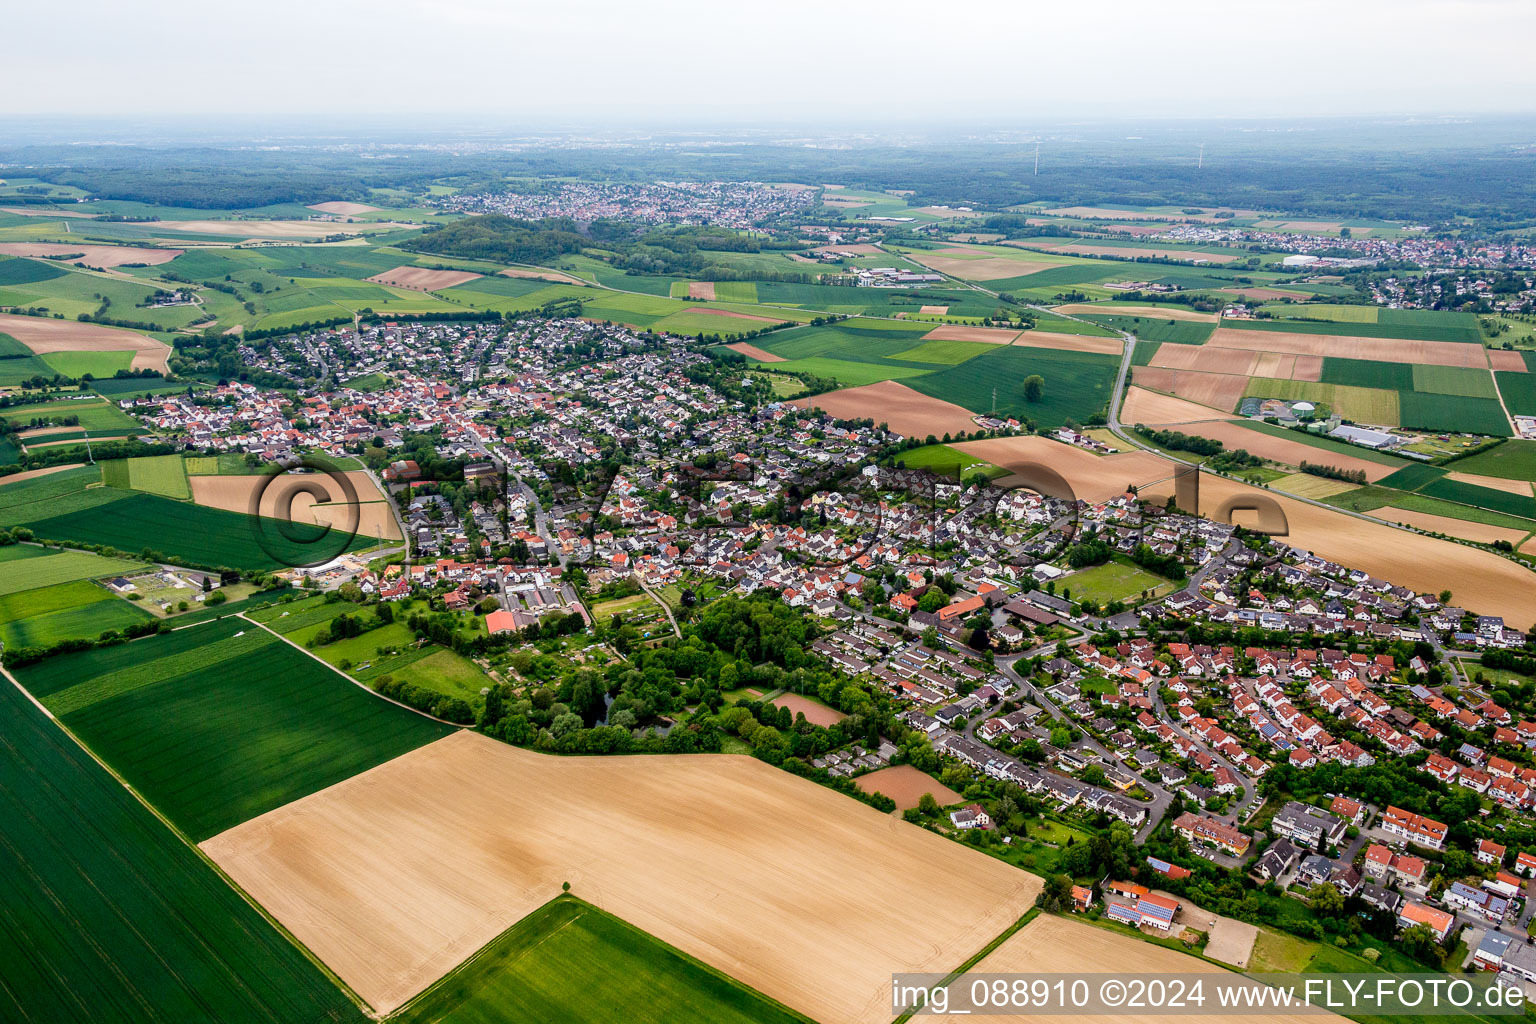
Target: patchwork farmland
point(211, 749)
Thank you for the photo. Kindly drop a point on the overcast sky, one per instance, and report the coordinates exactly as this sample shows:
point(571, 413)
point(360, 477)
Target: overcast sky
point(724, 62)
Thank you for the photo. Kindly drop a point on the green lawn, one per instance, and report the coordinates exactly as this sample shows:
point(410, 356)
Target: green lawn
point(570, 962)
point(109, 917)
point(1077, 384)
point(942, 459)
point(1112, 581)
point(221, 722)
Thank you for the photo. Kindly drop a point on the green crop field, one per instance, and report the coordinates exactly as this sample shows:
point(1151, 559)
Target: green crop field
point(1452, 413)
point(1453, 380)
point(1144, 351)
point(1411, 478)
point(1323, 311)
point(214, 727)
point(1365, 499)
point(1367, 373)
point(112, 918)
point(155, 474)
point(133, 521)
point(27, 568)
point(1408, 324)
point(1422, 502)
point(1077, 384)
point(950, 353)
point(1512, 460)
point(1491, 498)
point(1518, 389)
point(1179, 332)
point(81, 610)
point(569, 961)
point(97, 364)
point(849, 374)
point(22, 271)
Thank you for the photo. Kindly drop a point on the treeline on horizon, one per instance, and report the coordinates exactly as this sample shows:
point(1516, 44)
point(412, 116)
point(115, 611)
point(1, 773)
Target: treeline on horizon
point(1320, 173)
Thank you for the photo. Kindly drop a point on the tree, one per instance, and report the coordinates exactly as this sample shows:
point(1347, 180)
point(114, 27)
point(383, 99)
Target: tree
point(1056, 895)
point(1325, 900)
point(927, 804)
point(1034, 387)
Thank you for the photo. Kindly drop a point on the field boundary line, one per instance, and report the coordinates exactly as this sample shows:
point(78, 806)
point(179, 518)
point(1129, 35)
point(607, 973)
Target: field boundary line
point(981, 954)
point(335, 979)
point(357, 683)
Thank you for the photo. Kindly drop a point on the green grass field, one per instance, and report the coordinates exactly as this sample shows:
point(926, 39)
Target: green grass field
point(1453, 380)
point(1077, 385)
point(1452, 413)
point(94, 414)
point(944, 460)
point(570, 962)
point(109, 917)
point(1424, 502)
point(28, 568)
point(1367, 373)
point(1512, 460)
point(1113, 581)
point(97, 364)
point(1408, 324)
point(1518, 389)
point(847, 373)
point(154, 474)
point(80, 610)
point(214, 727)
point(1178, 332)
point(950, 353)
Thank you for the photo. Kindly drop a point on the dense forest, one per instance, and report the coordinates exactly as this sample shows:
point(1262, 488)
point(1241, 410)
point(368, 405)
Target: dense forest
point(1423, 171)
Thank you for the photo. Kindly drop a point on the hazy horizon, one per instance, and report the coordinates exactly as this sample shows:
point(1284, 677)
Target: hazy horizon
point(603, 64)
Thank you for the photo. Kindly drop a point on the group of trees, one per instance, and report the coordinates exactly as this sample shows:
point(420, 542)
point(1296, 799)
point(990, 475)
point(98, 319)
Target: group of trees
point(1354, 476)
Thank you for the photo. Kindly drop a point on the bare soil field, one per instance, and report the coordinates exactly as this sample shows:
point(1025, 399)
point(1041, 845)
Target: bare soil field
point(701, 290)
point(283, 500)
point(1286, 451)
point(959, 332)
point(988, 268)
point(1209, 360)
point(16, 478)
point(1154, 409)
point(816, 714)
point(935, 310)
point(423, 279)
point(909, 413)
point(1058, 945)
point(1507, 362)
point(1479, 532)
point(906, 785)
point(342, 209)
point(395, 876)
point(544, 275)
point(1218, 390)
point(43, 335)
point(93, 255)
point(1231, 941)
point(32, 211)
point(1169, 312)
point(1385, 350)
point(1091, 477)
point(753, 352)
point(1070, 342)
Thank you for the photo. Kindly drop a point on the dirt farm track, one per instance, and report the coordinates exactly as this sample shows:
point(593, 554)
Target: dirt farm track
point(395, 876)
